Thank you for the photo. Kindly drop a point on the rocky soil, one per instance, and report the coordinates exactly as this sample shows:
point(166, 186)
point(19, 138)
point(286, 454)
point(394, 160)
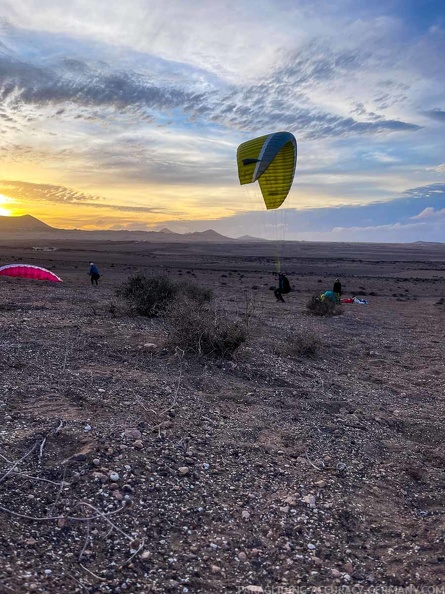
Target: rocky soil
point(126, 466)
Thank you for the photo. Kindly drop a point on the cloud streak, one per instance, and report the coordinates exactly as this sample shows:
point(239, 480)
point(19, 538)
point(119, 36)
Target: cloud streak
point(30, 192)
point(280, 99)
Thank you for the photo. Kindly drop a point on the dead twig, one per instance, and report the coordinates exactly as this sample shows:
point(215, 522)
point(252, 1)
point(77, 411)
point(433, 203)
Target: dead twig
point(101, 515)
point(26, 517)
point(132, 556)
point(61, 425)
point(42, 445)
point(5, 459)
point(18, 462)
point(78, 581)
point(37, 478)
point(311, 463)
point(59, 491)
point(87, 538)
point(104, 516)
point(8, 587)
point(93, 574)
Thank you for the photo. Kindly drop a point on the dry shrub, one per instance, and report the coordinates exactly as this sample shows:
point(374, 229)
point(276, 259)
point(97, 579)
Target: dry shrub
point(148, 296)
point(196, 293)
point(203, 330)
point(151, 296)
point(303, 344)
point(316, 307)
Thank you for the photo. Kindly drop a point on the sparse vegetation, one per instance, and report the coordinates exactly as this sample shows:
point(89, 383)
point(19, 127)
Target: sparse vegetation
point(303, 344)
point(316, 307)
point(148, 296)
point(196, 293)
point(203, 330)
point(151, 296)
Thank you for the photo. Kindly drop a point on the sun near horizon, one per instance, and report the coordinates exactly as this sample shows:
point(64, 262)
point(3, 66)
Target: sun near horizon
point(4, 210)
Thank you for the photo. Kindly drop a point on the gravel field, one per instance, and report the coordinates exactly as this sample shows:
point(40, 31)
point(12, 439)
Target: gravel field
point(127, 466)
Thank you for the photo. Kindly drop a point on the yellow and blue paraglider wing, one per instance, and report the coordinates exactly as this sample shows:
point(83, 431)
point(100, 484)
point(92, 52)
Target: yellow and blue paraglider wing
point(270, 160)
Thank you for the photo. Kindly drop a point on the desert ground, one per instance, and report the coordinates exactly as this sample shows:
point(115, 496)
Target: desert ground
point(127, 466)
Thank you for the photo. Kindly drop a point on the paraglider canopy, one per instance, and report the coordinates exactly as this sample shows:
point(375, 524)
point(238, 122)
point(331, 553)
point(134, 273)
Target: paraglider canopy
point(270, 160)
point(29, 271)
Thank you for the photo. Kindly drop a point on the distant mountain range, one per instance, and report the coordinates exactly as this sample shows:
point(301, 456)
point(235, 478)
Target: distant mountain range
point(29, 225)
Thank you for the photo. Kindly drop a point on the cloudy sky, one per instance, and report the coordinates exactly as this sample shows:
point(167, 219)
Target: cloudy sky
point(128, 114)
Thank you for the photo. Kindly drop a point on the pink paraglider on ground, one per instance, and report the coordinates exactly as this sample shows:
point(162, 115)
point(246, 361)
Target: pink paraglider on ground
point(29, 271)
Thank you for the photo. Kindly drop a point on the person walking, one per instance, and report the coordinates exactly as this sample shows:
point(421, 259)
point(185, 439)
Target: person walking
point(283, 287)
point(94, 273)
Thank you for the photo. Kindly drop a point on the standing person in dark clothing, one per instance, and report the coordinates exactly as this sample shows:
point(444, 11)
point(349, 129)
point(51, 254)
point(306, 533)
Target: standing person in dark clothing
point(283, 287)
point(337, 289)
point(94, 273)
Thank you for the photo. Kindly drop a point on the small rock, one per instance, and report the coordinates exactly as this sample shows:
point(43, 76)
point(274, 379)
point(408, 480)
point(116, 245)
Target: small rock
point(146, 555)
point(30, 541)
point(245, 515)
point(216, 569)
point(135, 545)
point(150, 346)
point(335, 573)
point(138, 444)
point(132, 433)
point(309, 499)
point(87, 428)
point(254, 589)
point(242, 556)
point(96, 462)
point(114, 477)
point(183, 470)
point(311, 547)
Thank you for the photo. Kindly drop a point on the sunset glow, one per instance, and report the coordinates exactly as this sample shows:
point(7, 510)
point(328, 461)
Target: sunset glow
point(107, 124)
point(4, 210)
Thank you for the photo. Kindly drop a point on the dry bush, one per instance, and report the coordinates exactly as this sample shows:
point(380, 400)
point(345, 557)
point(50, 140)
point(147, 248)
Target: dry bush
point(196, 293)
point(303, 344)
point(316, 307)
point(202, 330)
point(148, 296)
point(151, 296)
